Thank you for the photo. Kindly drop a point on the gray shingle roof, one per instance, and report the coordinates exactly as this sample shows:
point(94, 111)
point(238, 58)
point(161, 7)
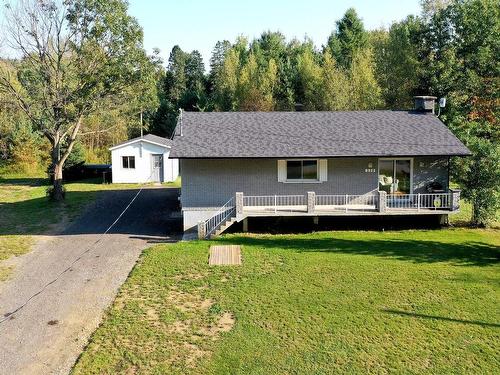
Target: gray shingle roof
point(148, 137)
point(312, 134)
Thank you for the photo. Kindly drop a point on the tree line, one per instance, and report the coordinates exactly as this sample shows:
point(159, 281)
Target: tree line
point(450, 50)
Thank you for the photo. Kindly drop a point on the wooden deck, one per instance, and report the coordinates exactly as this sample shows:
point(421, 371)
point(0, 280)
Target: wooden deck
point(225, 255)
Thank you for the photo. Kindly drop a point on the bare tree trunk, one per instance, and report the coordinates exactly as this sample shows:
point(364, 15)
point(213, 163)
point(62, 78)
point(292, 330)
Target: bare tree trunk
point(58, 160)
point(56, 170)
point(58, 192)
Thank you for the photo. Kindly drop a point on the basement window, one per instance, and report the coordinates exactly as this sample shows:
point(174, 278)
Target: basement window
point(128, 162)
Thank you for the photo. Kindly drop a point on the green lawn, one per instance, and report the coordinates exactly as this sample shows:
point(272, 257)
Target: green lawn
point(321, 303)
point(25, 211)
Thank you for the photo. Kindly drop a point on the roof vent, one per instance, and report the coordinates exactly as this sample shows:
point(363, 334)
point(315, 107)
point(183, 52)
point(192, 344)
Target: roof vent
point(425, 103)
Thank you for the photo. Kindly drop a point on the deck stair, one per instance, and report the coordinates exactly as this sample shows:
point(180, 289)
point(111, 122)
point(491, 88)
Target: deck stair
point(224, 226)
point(219, 222)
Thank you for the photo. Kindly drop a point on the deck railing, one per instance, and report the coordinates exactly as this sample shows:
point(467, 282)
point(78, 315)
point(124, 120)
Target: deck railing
point(276, 202)
point(435, 201)
point(224, 213)
point(346, 202)
point(349, 203)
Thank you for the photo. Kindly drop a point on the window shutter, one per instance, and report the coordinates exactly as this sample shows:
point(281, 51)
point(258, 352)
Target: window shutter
point(323, 170)
point(281, 170)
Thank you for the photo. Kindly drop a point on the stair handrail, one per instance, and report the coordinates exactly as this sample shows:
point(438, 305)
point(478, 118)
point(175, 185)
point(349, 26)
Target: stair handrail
point(221, 216)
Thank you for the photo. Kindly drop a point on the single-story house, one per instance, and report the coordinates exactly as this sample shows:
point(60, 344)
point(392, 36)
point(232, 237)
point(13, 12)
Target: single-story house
point(143, 159)
point(237, 165)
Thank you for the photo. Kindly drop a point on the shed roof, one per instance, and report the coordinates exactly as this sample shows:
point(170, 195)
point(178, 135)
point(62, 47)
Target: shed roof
point(312, 134)
point(150, 138)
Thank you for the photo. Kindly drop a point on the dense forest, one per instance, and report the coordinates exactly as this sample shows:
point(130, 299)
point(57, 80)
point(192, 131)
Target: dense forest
point(450, 50)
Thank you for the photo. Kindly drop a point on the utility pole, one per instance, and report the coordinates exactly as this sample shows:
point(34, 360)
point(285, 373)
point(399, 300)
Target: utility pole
point(141, 125)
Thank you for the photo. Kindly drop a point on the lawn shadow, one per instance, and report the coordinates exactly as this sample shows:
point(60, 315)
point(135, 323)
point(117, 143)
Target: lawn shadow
point(473, 253)
point(149, 216)
point(27, 181)
point(443, 318)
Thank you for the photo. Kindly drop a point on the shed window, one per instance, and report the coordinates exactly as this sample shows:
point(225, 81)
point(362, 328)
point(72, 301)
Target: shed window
point(302, 170)
point(128, 162)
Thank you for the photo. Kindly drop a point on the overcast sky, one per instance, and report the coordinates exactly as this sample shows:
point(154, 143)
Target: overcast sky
point(199, 24)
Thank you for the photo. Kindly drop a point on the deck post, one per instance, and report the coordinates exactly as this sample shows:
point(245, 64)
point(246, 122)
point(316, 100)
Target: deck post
point(239, 203)
point(382, 201)
point(454, 199)
point(245, 224)
point(201, 230)
point(311, 201)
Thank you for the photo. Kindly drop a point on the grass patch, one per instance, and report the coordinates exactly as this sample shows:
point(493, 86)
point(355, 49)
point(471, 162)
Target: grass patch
point(464, 216)
point(329, 302)
point(174, 184)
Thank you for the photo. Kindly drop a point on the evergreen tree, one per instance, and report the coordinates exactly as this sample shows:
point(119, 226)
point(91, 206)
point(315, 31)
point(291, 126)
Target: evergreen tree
point(194, 97)
point(217, 63)
point(176, 81)
point(348, 38)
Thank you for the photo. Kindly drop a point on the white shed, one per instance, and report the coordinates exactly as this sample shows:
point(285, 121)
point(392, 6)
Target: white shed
point(143, 159)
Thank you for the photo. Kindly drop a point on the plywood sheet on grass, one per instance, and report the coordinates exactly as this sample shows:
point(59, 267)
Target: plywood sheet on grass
point(225, 255)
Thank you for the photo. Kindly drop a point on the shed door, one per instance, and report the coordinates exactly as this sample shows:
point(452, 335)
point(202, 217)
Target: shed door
point(157, 168)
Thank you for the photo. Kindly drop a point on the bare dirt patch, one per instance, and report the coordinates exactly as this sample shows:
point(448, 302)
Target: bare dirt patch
point(186, 318)
point(224, 323)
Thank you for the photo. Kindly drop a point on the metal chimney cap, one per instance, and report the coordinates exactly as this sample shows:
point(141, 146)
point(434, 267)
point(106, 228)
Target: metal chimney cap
point(425, 97)
point(424, 103)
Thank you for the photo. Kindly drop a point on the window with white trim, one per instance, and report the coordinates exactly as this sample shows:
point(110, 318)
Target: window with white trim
point(303, 170)
point(128, 162)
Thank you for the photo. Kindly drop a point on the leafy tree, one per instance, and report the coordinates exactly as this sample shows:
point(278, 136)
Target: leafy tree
point(397, 64)
point(431, 7)
point(335, 86)
point(255, 86)
point(227, 83)
point(479, 175)
point(310, 80)
point(73, 55)
point(460, 55)
point(365, 91)
point(348, 38)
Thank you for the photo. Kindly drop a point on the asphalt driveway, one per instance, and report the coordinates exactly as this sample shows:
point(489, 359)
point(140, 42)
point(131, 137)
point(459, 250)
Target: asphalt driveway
point(49, 332)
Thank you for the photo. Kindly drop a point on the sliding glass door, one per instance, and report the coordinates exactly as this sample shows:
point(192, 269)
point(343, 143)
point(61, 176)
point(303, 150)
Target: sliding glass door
point(395, 176)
